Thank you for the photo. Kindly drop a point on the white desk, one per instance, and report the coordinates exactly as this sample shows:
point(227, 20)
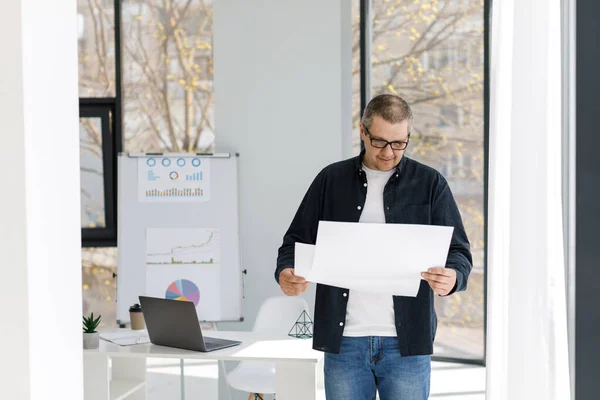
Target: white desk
point(298, 366)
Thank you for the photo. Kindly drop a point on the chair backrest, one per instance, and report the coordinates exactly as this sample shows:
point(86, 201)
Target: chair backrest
point(277, 315)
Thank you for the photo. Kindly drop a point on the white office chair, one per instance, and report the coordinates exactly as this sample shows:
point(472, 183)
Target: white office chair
point(276, 317)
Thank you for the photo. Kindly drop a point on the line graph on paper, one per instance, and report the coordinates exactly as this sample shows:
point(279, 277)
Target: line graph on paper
point(182, 246)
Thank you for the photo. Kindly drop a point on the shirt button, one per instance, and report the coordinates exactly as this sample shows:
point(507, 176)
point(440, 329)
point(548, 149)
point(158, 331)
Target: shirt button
point(396, 175)
point(359, 207)
point(365, 185)
point(387, 208)
point(345, 294)
point(341, 324)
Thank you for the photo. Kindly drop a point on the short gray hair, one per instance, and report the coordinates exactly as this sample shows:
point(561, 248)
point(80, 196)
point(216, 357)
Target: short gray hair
point(393, 109)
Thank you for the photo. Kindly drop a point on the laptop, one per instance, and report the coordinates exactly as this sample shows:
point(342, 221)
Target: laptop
point(174, 323)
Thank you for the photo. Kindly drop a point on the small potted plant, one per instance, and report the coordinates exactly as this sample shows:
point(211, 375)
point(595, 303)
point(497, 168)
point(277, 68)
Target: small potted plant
point(91, 338)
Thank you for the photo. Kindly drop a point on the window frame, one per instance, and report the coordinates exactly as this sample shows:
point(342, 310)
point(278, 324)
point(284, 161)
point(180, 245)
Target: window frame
point(106, 235)
point(365, 95)
point(109, 110)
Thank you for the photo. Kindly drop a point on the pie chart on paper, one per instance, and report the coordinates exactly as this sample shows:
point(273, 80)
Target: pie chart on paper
point(183, 290)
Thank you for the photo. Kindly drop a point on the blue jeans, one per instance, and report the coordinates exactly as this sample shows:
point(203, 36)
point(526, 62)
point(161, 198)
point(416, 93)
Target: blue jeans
point(366, 365)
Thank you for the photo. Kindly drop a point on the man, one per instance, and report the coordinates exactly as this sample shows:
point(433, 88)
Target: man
point(378, 342)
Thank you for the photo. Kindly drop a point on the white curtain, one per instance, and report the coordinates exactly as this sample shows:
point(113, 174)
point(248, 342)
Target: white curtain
point(527, 349)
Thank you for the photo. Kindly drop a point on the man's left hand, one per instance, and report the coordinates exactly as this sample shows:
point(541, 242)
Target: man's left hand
point(441, 280)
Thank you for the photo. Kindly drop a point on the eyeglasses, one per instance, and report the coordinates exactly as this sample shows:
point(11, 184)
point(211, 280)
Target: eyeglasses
point(382, 144)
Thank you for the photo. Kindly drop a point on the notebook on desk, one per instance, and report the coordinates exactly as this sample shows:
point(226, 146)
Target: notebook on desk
point(174, 323)
point(125, 337)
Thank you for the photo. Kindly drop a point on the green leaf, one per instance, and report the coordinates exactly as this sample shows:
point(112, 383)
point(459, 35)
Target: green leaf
point(90, 323)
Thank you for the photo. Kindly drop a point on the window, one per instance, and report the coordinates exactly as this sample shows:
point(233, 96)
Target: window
point(430, 53)
point(99, 120)
point(99, 283)
point(92, 173)
point(96, 40)
point(145, 84)
point(97, 200)
point(168, 76)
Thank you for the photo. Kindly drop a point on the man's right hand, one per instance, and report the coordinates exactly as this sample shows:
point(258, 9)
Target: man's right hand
point(291, 284)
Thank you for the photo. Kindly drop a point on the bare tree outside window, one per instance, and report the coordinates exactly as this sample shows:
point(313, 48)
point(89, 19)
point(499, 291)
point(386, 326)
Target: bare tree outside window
point(99, 286)
point(431, 52)
point(167, 51)
point(96, 39)
point(92, 174)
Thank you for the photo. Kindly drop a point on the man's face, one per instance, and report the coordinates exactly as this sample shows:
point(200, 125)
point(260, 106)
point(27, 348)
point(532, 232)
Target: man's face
point(383, 159)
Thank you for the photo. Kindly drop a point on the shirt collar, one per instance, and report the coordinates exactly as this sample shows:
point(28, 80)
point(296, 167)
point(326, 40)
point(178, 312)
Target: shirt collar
point(358, 160)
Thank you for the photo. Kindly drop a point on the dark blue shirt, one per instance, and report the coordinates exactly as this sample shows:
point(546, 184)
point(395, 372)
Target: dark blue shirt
point(415, 194)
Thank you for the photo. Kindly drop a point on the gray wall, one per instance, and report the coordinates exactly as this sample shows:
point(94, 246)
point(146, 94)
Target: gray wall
point(587, 258)
point(283, 101)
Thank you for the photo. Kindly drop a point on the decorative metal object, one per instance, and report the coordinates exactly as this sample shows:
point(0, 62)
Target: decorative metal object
point(303, 328)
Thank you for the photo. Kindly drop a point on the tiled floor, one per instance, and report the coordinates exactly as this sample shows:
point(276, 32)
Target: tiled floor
point(448, 381)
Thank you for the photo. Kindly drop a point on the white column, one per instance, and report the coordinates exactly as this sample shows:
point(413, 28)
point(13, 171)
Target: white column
point(40, 232)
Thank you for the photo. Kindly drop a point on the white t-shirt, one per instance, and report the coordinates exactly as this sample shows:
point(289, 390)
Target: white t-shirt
point(371, 314)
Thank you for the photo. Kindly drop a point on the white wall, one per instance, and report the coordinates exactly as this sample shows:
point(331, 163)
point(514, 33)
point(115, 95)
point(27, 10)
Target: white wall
point(283, 101)
point(40, 328)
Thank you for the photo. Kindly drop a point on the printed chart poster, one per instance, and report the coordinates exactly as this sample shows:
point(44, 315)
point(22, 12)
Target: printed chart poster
point(198, 284)
point(174, 246)
point(183, 264)
point(173, 179)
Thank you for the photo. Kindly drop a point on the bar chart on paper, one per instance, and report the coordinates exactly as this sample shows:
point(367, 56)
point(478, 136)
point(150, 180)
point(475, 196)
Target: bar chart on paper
point(194, 177)
point(174, 193)
point(173, 179)
point(152, 175)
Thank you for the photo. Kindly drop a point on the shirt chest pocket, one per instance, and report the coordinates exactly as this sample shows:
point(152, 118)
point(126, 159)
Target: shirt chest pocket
point(415, 214)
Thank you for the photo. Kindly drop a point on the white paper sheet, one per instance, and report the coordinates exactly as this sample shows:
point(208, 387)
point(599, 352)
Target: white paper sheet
point(303, 260)
point(126, 337)
point(304, 256)
point(197, 247)
point(199, 284)
point(381, 258)
point(173, 179)
point(184, 264)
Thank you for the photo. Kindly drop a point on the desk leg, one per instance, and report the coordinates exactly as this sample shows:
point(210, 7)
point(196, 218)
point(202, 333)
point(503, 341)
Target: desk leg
point(224, 391)
point(182, 383)
point(96, 377)
point(296, 381)
point(131, 369)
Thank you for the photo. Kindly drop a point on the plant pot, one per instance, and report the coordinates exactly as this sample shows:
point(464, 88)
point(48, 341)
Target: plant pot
point(91, 340)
